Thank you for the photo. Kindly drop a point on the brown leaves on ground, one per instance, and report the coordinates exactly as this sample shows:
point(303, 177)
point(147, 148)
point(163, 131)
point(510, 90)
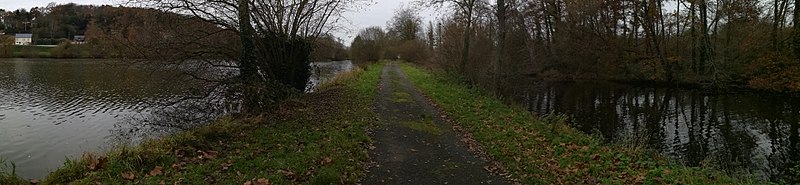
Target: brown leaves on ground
point(227, 165)
point(287, 173)
point(179, 166)
point(326, 160)
point(261, 181)
point(207, 155)
point(156, 171)
point(128, 175)
point(97, 163)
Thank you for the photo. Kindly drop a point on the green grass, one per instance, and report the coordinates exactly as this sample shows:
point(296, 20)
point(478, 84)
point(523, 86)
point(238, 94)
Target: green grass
point(76, 51)
point(401, 97)
point(425, 125)
point(538, 150)
point(318, 138)
point(8, 173)
point(31, 51)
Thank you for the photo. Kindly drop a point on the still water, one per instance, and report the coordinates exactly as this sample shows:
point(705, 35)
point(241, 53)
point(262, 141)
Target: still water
point(741, 132)
point(51, 110)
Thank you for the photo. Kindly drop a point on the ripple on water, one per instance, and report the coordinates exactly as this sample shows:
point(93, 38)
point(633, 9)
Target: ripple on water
point(69, 113)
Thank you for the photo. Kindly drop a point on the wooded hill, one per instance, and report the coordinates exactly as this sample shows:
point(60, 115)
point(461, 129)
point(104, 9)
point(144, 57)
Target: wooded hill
point(116, 31)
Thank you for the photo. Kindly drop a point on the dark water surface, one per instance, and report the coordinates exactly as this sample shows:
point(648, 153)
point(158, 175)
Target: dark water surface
point(54, 109)
point(741, 132)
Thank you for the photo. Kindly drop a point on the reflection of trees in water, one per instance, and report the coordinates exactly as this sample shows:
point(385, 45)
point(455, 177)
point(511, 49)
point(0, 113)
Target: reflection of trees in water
point(198, 104)
point(747, 133)
point(180, 115)
point(324, 71)
point(204, 96)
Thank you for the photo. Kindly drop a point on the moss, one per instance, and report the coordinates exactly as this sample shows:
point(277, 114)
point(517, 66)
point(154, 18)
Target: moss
point(401, 97)
point(426, 125)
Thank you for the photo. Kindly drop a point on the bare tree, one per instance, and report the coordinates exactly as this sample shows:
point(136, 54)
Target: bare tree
point(501, 42)
point(467, 9)
point(274, 37)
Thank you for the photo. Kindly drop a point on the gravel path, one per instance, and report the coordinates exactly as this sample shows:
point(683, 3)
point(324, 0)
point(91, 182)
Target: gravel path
point(414, 146)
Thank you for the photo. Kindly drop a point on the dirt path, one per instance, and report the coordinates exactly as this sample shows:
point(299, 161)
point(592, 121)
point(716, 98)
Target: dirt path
point(413, 146)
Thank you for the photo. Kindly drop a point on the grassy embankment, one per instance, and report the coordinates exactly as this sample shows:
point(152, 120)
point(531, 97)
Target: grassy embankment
point(31, 51)
point(318, 138)
point(61, 51)
point(545, 150)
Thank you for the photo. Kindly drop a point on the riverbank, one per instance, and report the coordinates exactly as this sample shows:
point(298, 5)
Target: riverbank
point(322, 138)
point(55, 51)
point(705, 85)
point(544, 150)
point(317, 138)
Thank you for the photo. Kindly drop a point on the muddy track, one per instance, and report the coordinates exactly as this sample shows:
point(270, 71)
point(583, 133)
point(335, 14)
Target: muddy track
point(413, 145)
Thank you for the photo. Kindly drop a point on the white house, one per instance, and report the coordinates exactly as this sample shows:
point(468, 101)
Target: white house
point(79, 39)
point(23, 39)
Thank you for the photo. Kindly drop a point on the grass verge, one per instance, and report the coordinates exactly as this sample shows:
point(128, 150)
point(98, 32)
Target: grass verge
point(8, 175)
point(545, 150)
point(318, 138)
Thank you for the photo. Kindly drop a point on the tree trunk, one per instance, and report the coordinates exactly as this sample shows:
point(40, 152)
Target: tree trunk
point(248, 69)
point(775, 26)
point(467, 35)
point(704, 40)
point(693, 28)
point(796, 31)
point(501, 43)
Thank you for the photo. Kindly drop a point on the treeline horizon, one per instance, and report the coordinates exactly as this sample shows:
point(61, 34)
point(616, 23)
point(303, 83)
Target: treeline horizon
point(719, 43)
point(107, 28)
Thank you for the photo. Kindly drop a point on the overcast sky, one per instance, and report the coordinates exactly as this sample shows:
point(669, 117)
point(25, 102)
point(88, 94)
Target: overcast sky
point(375, 14)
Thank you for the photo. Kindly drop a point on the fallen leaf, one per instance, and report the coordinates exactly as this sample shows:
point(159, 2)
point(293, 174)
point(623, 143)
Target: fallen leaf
point(97, 164)
point(248, 183)
point(326, 160)
point(227, 165)
point(262, 182)
point(156, 171)
point(667, 172)
point(178, 182)
point(34, 181)
point(128, 176)
point(286, 173)
point(596, 156)
point(414, 150)
point(161, 183)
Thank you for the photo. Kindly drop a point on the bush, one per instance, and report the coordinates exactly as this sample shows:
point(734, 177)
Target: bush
point(286, 59)
point(776, 72)
point(66, 49)
point(6, 46)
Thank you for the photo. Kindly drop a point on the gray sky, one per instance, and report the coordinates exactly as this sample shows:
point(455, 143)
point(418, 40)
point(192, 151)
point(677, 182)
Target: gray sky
point(375, 14)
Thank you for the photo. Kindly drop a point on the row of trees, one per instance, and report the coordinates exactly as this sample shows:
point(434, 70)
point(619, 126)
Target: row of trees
point(402, 39)
point(55, 22)
point(51, 23)
point(753, 43)
point(249, 53)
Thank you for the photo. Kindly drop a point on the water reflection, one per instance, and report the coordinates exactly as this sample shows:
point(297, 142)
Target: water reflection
point(50, 110)
point(325, 71)
point(54, 109)
point(743, 132)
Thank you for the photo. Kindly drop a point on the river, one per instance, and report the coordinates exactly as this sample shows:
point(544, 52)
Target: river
point(743, 133)
point(51, 110)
